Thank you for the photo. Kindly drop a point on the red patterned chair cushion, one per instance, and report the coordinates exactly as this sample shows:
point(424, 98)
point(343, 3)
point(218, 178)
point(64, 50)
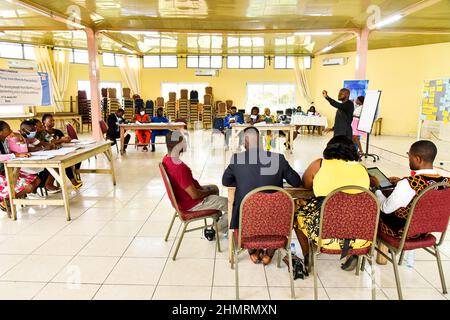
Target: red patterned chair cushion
point(356, 252)
point(410, 244)
point(267, 214)
point(349, 216)
point(189, 215)
point(261, 242)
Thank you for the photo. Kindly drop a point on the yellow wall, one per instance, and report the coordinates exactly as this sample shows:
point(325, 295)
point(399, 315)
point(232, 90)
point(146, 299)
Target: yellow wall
point(398, 72)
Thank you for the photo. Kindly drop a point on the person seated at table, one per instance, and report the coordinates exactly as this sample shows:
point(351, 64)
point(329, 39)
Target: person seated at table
point(339, 167)
point(299, 111)
point(26, 183)
point(190, 195)
point(29, 130)
point(230, 119)
point(395, 208)
point(254, 116)
point(159, 119)
point(311, 112)
point(41, 133)
point(267, 117)
point(57, 138)
point(143, 136)
point(252, 169)
point(113, 133)
point(359, 102)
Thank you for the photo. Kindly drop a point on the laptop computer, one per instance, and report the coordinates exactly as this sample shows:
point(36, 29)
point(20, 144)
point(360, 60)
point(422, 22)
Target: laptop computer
point(384, 181)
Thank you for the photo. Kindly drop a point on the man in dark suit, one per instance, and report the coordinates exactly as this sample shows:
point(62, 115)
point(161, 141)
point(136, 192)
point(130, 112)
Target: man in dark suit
point(252, 169)
point(256, 168)
point(344, 114)
point(113, 133)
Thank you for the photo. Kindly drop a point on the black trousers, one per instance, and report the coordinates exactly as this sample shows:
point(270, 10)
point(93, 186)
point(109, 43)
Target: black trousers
point(127, 138)
point(69, 171)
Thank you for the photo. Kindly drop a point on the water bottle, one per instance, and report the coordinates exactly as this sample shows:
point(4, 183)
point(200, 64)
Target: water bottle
point(410, 259)
point(293, 248)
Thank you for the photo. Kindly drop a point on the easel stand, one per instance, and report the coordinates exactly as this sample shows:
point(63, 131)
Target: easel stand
point(367, 154)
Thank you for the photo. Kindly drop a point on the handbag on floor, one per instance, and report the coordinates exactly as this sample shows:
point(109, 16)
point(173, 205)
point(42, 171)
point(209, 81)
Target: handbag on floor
point(298, 266)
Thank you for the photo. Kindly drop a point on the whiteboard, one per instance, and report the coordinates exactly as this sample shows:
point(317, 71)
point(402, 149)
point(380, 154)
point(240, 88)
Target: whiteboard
point(369, 110)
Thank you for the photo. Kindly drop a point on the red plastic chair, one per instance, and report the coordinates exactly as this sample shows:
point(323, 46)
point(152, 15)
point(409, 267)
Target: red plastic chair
point(104, 129)
point(265, 222)
point(430, 212)
point(187, 216)
point(71, 132)
point(346, 215)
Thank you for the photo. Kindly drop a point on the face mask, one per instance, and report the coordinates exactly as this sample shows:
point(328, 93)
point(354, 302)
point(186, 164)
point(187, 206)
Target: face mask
point(253, 116)
point(31, 135)
point(142, 113)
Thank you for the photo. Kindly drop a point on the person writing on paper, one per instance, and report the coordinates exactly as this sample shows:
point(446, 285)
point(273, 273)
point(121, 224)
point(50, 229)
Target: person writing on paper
point(29, 131)
point(113, 133)
point(159, 119)
point(143, 136)
point(359, 102)
point(26, 183)
point(395, 208)
point(57, 137)
point(344, 114)
point(254, 116)
point(230, 119)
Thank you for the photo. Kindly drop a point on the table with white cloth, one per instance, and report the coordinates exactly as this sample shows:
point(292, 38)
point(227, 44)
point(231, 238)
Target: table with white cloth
point(262, 126)
point(315, 121)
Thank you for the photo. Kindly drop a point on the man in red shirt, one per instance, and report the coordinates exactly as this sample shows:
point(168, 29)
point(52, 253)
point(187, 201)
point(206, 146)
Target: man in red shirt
point(190, 195)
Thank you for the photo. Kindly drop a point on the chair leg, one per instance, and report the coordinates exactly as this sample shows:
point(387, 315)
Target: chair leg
point(291, 273)
point(236, 272)
point(217, 234)
point(179, 241)
point(279, 258)
point(441, 272)
point(316, 294)
point(400, 260)
point(357, 265)
point(397, 276)
point(232, 255)
point(205, 222)
point(170, 227)
point(372, 276)
point(363, 263)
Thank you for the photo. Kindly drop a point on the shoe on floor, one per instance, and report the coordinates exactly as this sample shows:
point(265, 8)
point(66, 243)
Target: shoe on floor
point(35, 196)
point(78, 185)
point(153, 148)
point(350, 264)
point(53, 191)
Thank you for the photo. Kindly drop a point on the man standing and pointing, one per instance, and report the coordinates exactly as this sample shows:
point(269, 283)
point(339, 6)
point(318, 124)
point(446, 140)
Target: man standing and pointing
point(344, 114)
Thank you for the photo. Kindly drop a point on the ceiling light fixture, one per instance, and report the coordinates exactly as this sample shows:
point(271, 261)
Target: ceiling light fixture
point(389, 20)
point(327, 48)
point(314, 33)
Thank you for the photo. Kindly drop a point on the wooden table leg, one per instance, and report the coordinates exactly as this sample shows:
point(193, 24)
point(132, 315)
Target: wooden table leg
point(291, 144)
point(122, 140)
point(10, 177)
point(381, 259)
point(64, 191)
point(109, 156)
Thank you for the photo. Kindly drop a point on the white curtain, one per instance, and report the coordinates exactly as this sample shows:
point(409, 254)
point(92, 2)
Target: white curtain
point(45, 65)
point(130, 68)
point(61, 67)
point(301, 80)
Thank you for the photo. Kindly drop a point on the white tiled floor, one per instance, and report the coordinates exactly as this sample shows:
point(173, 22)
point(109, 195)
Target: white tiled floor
point(114, 246)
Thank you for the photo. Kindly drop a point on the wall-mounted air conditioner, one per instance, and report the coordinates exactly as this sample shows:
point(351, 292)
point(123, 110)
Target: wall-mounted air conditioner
point(335, 61)
point(22, 64)
point(206, 72)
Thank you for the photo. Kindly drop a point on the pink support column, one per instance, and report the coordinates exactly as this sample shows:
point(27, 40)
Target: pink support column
point(362, 46)
point(94, 78)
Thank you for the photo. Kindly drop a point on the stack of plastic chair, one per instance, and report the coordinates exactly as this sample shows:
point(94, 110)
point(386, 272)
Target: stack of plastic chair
point(139, 104)
point(84, 108)
point(183, 105)
point(128, 104)
point(229, 105)
point(170, 110)
point(149, 107)
point(113, 102)
point(216, 107)
point(104, 103)
point(221, 109)
point(193, 108)
point(207, 111)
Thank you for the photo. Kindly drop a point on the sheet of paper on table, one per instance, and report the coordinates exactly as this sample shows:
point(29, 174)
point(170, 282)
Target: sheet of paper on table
point(83, 142)
point(53, 153)
point(34, 157)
